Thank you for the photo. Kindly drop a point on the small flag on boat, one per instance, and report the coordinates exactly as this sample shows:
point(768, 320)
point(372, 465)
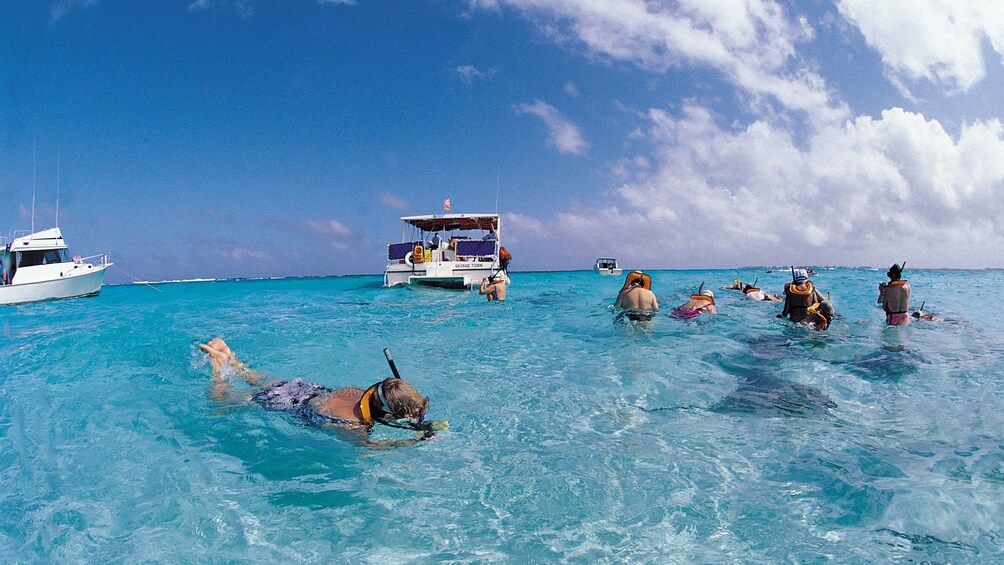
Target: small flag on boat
point(446, 205)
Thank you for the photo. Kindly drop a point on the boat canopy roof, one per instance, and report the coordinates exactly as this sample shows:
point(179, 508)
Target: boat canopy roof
point(449, 222)
point(45, 239)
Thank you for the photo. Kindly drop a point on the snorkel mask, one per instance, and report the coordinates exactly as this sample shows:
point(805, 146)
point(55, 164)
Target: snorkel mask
point(398, 421)
point(395, 419)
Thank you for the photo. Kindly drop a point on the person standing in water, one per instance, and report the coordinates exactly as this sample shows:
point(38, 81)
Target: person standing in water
point(495, 288)
point(636, 297)
point(897, 298)
point(799, 295)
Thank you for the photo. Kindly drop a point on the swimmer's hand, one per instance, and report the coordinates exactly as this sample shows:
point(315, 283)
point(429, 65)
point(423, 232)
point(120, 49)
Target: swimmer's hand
point(429, 429)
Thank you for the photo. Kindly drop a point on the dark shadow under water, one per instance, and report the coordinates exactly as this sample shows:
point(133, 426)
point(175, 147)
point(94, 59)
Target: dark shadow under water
point(765, 394)
point(890, 363)
point(760, 393)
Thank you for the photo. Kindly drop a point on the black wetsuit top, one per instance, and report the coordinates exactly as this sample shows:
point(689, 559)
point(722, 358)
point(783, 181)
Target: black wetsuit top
point(798, 304)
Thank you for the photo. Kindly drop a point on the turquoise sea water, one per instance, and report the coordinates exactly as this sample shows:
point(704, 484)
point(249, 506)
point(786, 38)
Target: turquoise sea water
point(572, 438)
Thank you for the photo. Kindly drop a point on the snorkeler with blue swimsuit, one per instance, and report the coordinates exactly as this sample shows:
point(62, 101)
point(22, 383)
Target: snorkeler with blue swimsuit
point(392, 402)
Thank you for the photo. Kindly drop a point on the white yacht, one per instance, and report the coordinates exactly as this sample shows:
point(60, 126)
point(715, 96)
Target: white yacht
point(37, 266)
point(447, 251)
point(607, 266)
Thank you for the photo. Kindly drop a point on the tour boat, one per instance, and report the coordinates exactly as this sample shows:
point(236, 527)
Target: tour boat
point(447, 251)
point(607, 266)
point(37, 266)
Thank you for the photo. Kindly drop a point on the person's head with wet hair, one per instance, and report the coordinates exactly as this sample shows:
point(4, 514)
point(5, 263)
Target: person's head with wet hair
point(895, 272)
point(402, 399)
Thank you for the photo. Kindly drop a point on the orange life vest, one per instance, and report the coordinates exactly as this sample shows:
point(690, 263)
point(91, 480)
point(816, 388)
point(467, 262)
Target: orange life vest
point(364, 405)
point(799, 300)
point(646, 280)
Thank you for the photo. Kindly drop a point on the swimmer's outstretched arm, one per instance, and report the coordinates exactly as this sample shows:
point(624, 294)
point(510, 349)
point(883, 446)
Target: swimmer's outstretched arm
point(359, 436)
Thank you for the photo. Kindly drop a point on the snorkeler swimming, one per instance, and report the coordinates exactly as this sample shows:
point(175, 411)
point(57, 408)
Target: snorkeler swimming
point(700, 303)
point(392, 402)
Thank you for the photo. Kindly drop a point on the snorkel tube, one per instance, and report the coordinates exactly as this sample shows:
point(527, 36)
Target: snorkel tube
point(428, 429)
point(390, 361)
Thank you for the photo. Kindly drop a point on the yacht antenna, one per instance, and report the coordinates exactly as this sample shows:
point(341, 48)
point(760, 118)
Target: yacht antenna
point(57, 185)
point(34, 175)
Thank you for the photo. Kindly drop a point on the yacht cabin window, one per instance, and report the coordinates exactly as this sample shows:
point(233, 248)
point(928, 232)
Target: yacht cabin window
point(42, 257)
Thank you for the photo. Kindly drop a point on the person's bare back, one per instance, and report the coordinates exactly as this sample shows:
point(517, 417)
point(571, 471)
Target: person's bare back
point(637, 298)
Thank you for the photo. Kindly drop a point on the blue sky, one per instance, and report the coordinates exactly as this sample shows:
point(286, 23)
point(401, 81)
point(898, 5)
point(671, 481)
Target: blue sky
point(223, 138)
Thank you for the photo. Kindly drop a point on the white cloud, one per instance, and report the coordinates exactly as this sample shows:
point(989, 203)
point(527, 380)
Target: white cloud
point(242, 254)
point(572, 90)
point(751, 42)
point(864, 192)
point(327, 227)
point(203, 5)
point(244, 8)
point(936, 40)
point(562, 134)
point(391, 201)
point(64, 7)
point(525, 225)
point(468, 73)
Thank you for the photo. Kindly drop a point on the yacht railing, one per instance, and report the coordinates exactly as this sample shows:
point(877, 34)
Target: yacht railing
point(9, 238)
point(102, 259)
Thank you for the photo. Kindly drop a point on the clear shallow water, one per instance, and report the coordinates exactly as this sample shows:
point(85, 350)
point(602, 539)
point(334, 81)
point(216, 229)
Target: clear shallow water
point(572, 438)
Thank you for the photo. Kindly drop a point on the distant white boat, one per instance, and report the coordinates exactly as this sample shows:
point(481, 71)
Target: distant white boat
point(460, 261)
point(37, 266)
point(607, 266)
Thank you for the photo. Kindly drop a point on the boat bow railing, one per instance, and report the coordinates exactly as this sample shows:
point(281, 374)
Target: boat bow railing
point(102, 259)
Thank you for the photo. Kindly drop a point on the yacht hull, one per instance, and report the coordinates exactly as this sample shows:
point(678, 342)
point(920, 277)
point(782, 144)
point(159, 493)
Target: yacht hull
point(87, 283)
point(441, 275)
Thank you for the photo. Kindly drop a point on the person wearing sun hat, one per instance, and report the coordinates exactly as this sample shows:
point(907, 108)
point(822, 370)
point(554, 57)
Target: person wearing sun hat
point(799, 296)
point(637, 297)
